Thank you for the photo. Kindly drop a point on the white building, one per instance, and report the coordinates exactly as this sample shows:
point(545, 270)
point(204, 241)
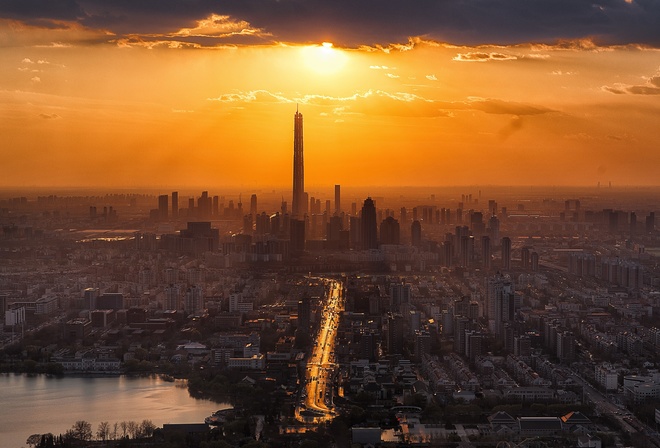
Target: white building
point(607, 376)
point(256, 362)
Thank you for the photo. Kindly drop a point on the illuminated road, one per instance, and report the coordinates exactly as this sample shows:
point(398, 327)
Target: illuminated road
point(315, 405)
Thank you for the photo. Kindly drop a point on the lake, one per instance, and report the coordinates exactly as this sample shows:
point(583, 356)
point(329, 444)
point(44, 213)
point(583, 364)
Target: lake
point(41, 404)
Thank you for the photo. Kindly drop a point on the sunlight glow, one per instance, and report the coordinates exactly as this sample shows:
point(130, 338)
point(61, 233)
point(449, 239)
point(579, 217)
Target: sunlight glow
point(324, 59)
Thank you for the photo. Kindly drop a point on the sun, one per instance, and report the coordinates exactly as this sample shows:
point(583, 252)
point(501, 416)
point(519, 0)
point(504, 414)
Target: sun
point(324, 59)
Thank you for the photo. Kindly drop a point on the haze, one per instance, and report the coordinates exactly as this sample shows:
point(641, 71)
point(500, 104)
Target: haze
point(129, 96)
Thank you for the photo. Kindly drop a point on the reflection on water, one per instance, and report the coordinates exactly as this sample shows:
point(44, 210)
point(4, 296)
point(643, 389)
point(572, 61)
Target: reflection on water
point(41, 404)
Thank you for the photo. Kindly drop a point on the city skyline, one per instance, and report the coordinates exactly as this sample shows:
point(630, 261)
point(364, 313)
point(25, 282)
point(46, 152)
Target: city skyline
point(117, 95)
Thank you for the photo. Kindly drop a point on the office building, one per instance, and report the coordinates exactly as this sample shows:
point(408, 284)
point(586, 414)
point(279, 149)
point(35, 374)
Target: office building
point(395, 334)
point(506, 253)
point(415, 233)
point(162, 207)
point(337, 199)
point(253, 206)
point(194, 300)
point(304, 314)
point(485, 252)
point(390, 232)
point(369, 228)
point(110, 301)
point(175, 204)
point(299, 202)
point(297, 233)
point(399, 294)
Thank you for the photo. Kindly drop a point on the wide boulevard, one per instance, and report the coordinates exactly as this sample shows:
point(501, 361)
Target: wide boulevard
point(315, 404)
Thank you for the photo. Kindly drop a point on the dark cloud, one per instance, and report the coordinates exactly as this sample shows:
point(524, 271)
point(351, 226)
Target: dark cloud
point(45, 10)
point(369, 22)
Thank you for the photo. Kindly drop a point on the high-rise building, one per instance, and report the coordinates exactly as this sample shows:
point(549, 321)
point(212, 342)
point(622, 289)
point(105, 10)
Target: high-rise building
point(416, 233)
point(494, 229)
point(204, 203)
point(505, 305)
point(90, 295)
point(422, 344)
point(304, 314)
point(337, 199)
point(369, 227)
point(175, 204)
point(535, 261)
point(162, 207)
point(253, 206)
point(3, 306)
point(297, 232)
point(506, 253)
point(390, 232)
point(650, 222)
point(485, 252)
point(399, 293)
point(298, 203)
point(368, 347)
point(395, 334)
point(172, 297)
point(194, 301)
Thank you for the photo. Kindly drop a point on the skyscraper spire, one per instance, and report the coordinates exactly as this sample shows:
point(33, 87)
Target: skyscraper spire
point(298, 203)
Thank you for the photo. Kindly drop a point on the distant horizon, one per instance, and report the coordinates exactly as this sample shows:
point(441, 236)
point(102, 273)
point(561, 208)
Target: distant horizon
point(274, 189)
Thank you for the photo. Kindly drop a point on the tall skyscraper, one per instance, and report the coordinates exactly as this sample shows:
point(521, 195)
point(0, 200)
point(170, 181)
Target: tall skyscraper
point(390, 232)
point(485, 252)
point(298, 204)
point(395, 334)
point(416, 233)
point(506, 253)
point(162, 207)
point(369, 227)
point(337, 199)
point(175, 204)
point(253, 206)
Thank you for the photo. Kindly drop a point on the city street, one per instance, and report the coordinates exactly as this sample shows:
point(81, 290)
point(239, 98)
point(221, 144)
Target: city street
point(316, 404)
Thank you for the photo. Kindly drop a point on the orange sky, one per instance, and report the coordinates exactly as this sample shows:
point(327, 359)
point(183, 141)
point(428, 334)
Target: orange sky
point(75, 112)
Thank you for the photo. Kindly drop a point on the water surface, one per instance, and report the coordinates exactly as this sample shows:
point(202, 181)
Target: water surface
point(41, 404)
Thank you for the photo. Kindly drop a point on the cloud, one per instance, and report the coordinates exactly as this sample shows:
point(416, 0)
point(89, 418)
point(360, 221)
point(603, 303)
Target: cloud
point(393, 76)
point(493, 106)
point(483, 57)
point(380, 103)
point(262, 96)
point(651, 87)
point(431, 77)
point(370, 23)
point(220, 26)
point(139, 42)
point(35, 79)
point(49, 116)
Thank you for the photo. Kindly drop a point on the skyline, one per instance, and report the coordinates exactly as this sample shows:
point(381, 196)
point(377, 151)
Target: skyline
point(118, 95)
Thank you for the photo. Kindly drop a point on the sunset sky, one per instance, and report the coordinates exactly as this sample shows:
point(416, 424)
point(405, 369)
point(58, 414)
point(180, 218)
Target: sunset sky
point(396, 92)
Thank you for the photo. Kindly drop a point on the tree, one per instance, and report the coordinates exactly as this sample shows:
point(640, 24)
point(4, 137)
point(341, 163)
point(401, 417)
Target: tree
point(82, 430)
point(133, 429)
point(33, 440)
point(103, 431)
point(147, 428)
point(124, 427)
